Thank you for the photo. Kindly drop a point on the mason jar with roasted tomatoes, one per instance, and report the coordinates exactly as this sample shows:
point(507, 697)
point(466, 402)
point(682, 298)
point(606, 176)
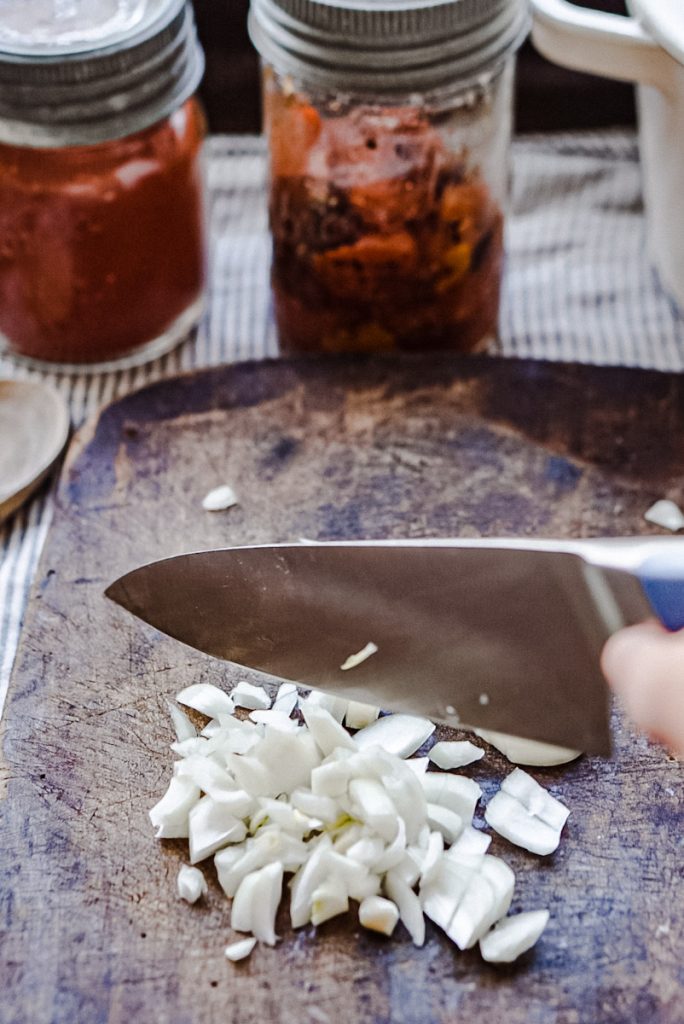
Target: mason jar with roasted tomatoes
point(389, 129)
point(102, 248)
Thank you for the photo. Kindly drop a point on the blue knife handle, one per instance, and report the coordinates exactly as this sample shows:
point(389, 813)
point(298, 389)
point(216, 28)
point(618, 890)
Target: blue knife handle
point(662, 578)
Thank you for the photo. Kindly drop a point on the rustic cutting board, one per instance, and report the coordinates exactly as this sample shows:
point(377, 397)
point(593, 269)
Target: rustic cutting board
point(93, 930)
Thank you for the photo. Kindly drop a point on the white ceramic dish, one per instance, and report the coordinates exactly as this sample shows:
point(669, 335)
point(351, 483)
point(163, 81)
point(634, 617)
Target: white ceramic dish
point(647, 48)
point(34, 427)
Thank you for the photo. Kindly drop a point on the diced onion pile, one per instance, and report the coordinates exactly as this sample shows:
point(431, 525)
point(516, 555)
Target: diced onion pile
point(273, 797)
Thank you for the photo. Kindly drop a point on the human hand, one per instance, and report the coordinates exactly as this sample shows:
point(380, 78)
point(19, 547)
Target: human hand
point(644, 665)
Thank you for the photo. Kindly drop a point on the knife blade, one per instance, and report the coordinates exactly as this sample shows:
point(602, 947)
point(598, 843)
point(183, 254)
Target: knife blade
point(501, 634)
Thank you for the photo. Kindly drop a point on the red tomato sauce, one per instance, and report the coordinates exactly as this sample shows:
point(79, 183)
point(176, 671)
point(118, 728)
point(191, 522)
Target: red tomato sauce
point(101, 247)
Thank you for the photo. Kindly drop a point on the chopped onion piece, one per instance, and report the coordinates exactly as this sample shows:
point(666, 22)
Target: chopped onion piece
point(337, 706)
point(205, 773)
point(193, 745)
point(286, 698)
point(233, 863)
point(170, 815)
point(219, 499)
point(470, 844)
point(316, 806)
point(372, 805)
point(404, 789)
point(233, 742)
point(441, 894)
point(364, 884)
point(210, 826)
point(226, 861)
point(246, 695)
point(288, 757)
point(394, 852)
point(367, 850)
point(256, 903)
point(455, 754)
point(359, 715)
point(456, 792)
point(472, 913)
point(528, 752)
point(379, 914)
point(665, 513)
point(448, 822)
point(513, 936)
point(330, 779)
point(535, 799)
point(363, 655)
point(211, 729)
point(328, 734)
point(372, 762)
point(207, 699)
point(191, 883)
point(401, 735)
point(304, 884)
point(347, 834)
point(408, 868)
point(502, 880)
point(251, 774)
point(182, 725)
point(287, 817)
point(510, 819)
point(408, 905)
point(277, 719)
point(329, 900)
point(239, 950)
point(432, 856)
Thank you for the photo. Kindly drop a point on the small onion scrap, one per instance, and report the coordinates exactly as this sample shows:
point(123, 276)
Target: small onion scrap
point(219, 499)
point(666, 514)
point(191, 883)
point(456, 754)
point(357, 659)
point(281, 794)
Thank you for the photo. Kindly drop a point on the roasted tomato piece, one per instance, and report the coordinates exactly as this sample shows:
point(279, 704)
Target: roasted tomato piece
point(371, 269)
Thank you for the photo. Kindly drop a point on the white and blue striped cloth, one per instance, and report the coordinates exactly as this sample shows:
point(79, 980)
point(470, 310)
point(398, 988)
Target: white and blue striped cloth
point(578, 287)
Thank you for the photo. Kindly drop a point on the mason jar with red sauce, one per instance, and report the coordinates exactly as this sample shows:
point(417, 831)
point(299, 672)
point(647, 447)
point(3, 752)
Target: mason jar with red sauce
point(102, 239)
point(389, 132)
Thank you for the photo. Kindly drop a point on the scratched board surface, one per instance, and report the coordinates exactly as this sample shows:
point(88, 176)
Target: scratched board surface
point(92, 930)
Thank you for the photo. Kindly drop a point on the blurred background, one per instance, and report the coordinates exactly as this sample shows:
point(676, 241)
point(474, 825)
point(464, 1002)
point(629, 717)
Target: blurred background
point(548, 98)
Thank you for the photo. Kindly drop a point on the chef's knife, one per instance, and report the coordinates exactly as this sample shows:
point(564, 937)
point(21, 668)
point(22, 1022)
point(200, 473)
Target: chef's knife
point(499, 634)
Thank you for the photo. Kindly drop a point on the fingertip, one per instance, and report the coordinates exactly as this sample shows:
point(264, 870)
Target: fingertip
point(624, 651)
point(644, 665)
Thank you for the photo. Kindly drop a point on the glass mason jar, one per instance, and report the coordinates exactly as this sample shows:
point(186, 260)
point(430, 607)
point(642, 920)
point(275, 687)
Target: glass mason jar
point(102, 250)
point(389, 131)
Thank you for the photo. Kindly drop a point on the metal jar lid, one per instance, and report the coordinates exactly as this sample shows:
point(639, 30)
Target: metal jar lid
point(79, 72)
point(387, 46)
